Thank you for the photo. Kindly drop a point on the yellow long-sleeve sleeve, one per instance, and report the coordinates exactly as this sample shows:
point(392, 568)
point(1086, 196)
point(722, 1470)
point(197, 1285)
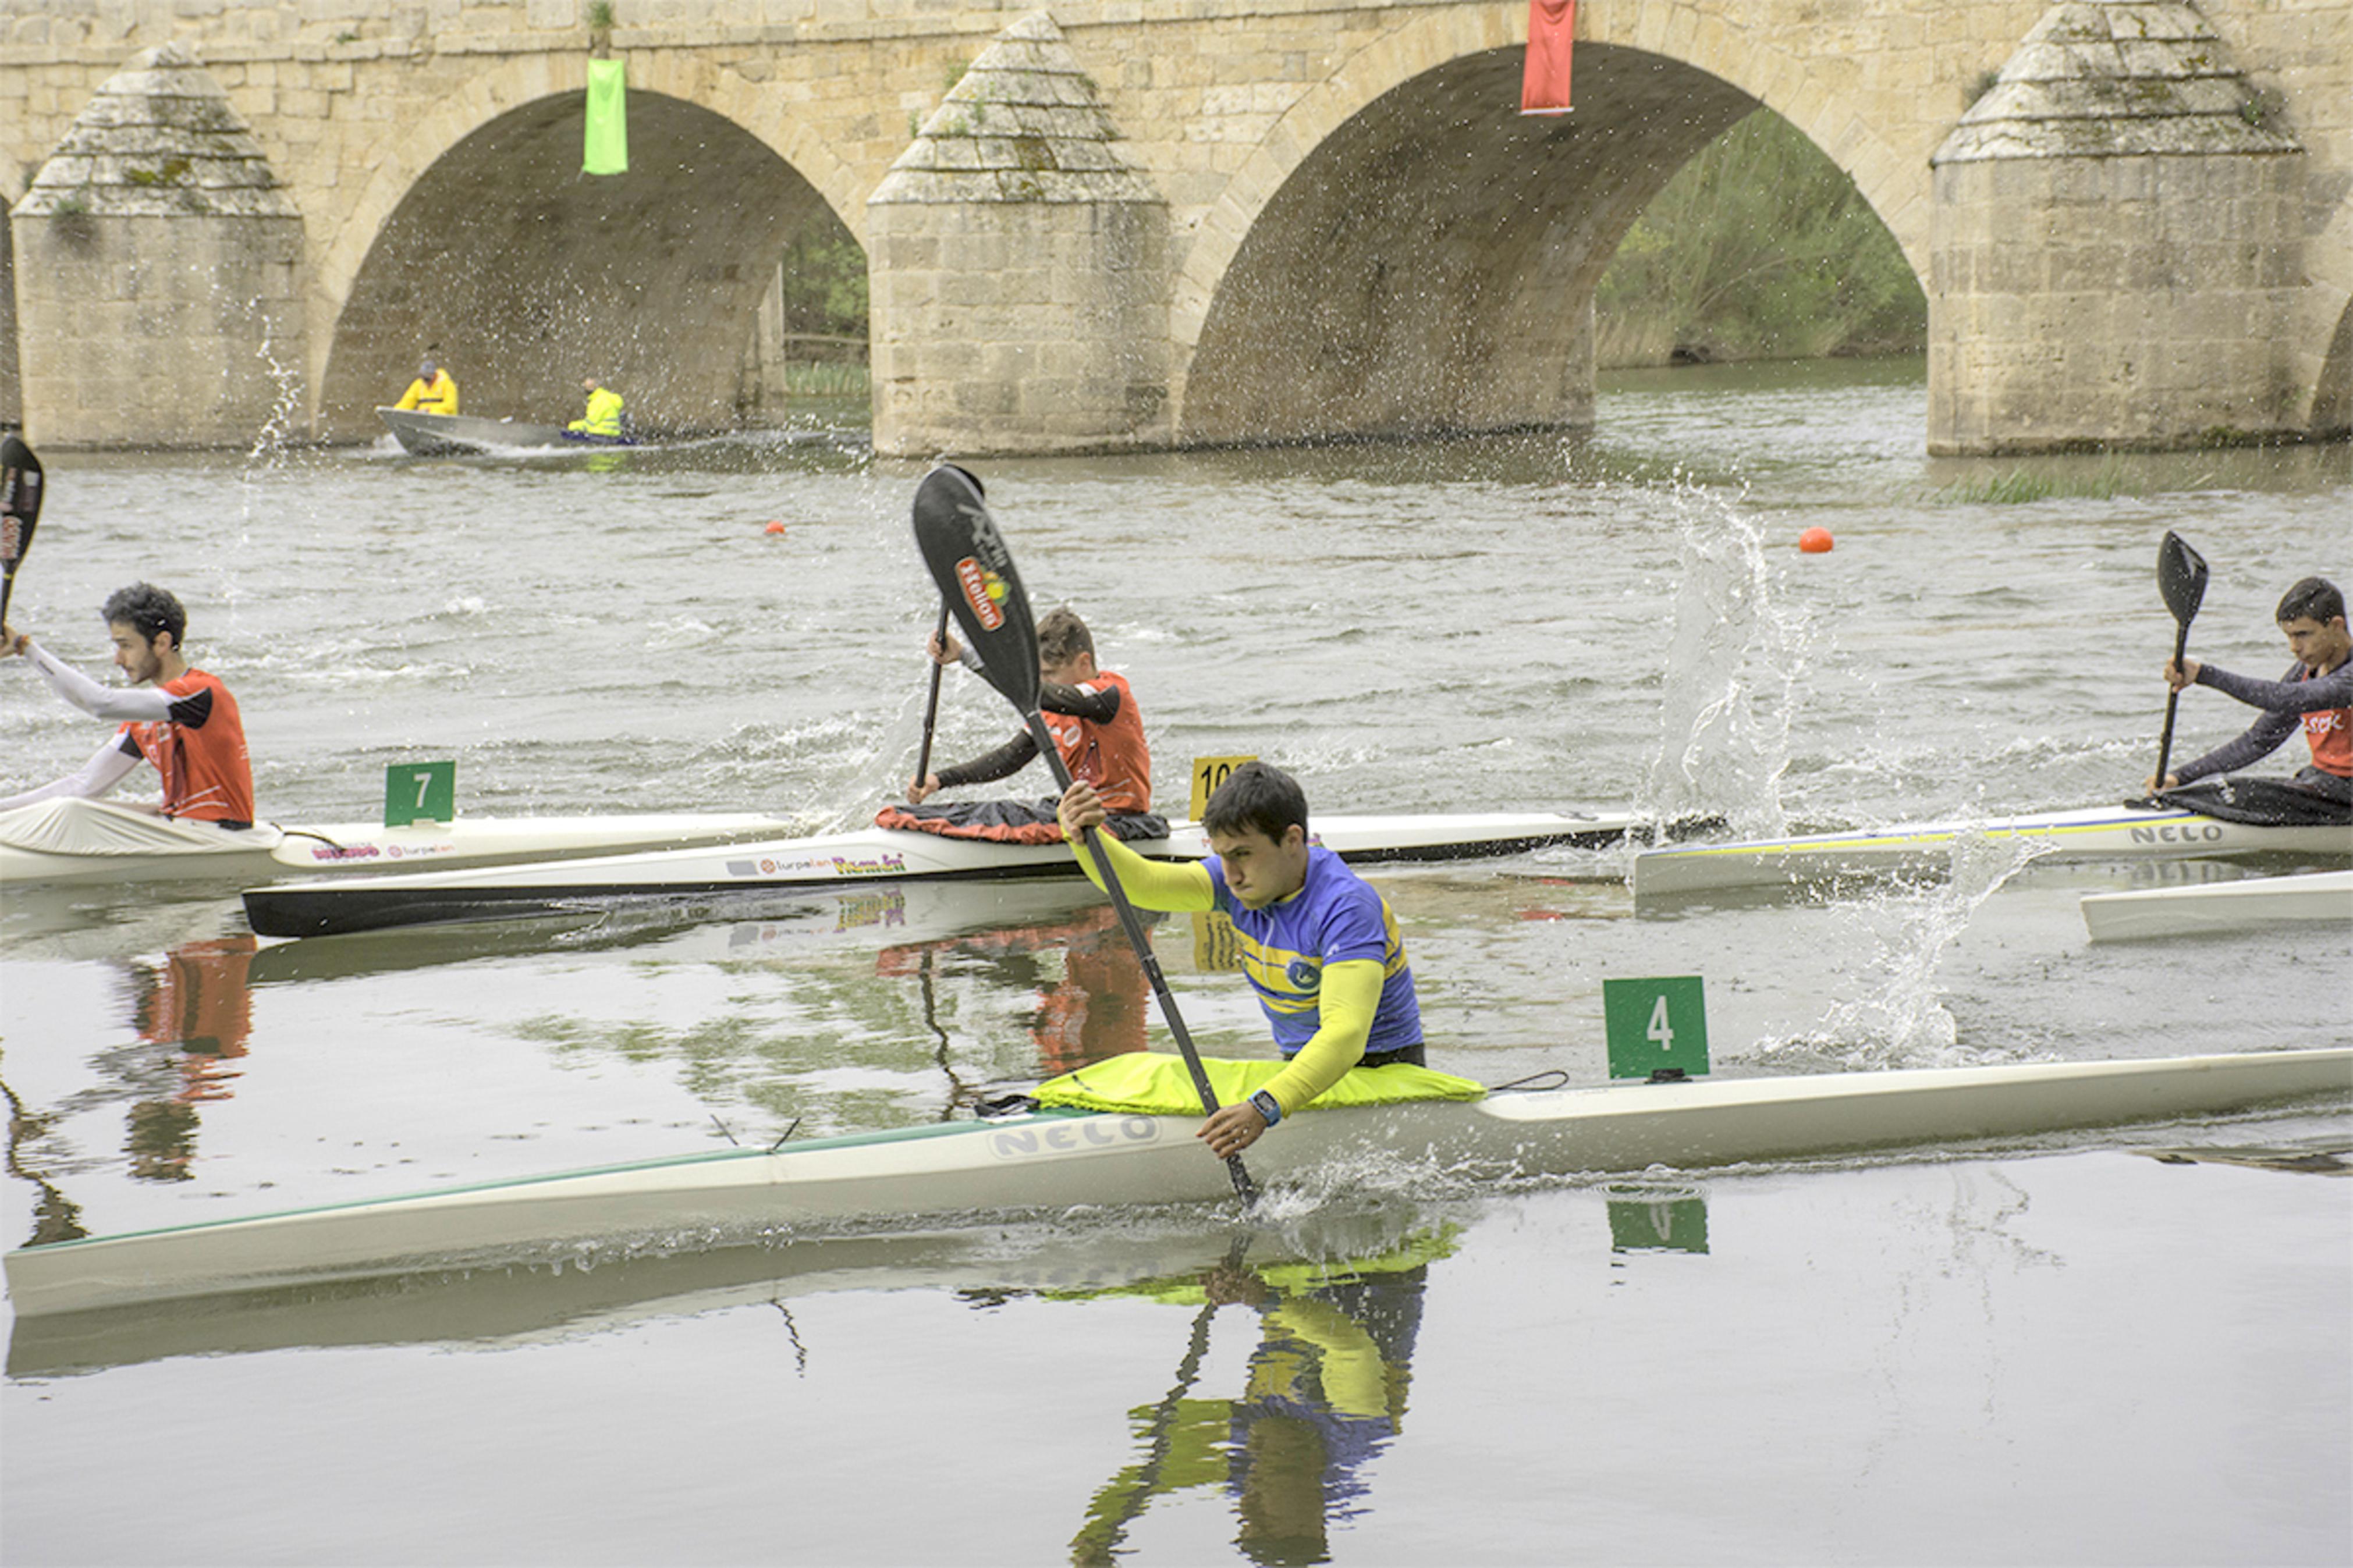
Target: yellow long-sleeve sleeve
point(1345, 1001)
point(1173, 885)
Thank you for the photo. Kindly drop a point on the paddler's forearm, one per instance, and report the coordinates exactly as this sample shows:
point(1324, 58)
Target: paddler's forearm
point(2316, 694)
point(1349, 996)
point(1173, 885)
point(122, 704)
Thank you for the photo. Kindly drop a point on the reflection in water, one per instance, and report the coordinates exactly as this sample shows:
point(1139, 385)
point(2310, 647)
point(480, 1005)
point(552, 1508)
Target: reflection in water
point(1099, 1007)
point(198, 1002)
point(1643, 1220)
point(1326, 1391)
point(55, 1217)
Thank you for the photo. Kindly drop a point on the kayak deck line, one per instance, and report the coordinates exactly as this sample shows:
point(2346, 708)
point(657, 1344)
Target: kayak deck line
point(1062, 1159)
point(872, 856)
point(2253, 902)
point(72, 840)
point(2084, 834)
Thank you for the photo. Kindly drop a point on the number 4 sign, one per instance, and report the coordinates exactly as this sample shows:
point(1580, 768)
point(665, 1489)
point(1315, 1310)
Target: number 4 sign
point(1655, 1026)
point(419, 791)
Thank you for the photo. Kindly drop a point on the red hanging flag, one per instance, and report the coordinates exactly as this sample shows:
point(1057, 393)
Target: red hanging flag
point(1544, 84)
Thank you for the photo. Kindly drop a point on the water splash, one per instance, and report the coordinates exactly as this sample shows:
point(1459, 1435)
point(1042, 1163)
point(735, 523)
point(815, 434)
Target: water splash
point(1900, 1019)
point(1735, 661)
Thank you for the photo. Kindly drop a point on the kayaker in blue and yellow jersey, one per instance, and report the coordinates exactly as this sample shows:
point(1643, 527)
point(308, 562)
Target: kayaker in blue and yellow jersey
point(188, 726)
point(2316, 695)
point(435, 391)
point(604, 415)
point(1318, 942)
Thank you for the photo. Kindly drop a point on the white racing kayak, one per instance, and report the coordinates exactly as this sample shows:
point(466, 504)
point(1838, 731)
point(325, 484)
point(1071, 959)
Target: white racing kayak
point(2092, 833)
point(873, 855)
point(87, 841)
point(2314, 899)
point(437, 435)
point(1054, 1160)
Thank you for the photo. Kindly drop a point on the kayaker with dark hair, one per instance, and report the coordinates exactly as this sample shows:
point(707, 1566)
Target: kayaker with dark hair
point(435, 390)
point(188, 726)
point(1318, 942)
point(1092, 715)
point(2316, 694)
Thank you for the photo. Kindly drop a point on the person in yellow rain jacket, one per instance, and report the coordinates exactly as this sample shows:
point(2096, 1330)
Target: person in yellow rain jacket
point(435, 391)
point(604, 415)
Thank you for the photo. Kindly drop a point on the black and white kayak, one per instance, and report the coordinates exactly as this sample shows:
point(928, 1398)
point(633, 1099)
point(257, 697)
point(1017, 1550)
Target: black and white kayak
point(2313, 901)
point(443, 434)
point(2091, 833)
point(64, 841)
point(873, 855)
point(1058, 1159)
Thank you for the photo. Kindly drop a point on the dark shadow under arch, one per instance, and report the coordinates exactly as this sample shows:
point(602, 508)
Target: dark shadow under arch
point(526, 274)
point(1430, 266)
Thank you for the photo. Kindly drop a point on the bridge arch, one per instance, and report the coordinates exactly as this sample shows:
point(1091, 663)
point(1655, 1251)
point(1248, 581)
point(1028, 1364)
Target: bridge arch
point(1405, 251)
point(478, 234)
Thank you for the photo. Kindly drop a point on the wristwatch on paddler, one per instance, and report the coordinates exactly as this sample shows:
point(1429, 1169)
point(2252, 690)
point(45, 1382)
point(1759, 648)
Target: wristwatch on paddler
point(1266, 1105)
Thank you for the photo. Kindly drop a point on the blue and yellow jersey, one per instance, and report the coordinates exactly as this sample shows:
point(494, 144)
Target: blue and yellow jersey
point(1335, 916)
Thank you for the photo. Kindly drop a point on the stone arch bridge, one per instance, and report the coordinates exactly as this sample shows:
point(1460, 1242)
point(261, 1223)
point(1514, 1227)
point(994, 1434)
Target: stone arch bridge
point(1119, 224)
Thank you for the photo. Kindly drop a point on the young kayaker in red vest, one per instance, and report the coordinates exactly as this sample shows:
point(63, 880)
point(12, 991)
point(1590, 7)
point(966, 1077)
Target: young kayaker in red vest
point(2317, 693)
point(1318, 942)
point(1092, 716)
point(188, 726)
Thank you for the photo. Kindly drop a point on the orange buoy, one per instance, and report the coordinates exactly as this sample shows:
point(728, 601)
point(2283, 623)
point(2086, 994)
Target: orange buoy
point(776, 525)
point(1816, 542)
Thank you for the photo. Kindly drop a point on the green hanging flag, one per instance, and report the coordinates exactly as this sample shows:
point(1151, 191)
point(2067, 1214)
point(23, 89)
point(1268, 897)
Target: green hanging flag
point(606, 148)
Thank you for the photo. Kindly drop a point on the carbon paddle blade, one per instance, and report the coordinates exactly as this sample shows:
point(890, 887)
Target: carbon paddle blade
point(2180, 577)
point(968, 560)
point(20, 509)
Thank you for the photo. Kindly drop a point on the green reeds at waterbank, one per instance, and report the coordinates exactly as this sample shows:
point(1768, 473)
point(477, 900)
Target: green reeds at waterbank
point(816, 378)
point(2042, 483)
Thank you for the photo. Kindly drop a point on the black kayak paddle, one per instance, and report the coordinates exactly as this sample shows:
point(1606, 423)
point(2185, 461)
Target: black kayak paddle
point(20, 509)
point(2181, 578)
point(969, 561)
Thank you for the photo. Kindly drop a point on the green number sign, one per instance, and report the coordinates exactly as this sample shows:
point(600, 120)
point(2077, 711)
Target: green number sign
point(1655, 1026)
point(419, 791)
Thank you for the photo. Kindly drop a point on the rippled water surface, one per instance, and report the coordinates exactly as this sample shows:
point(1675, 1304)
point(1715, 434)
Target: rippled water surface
point(2071, 1353)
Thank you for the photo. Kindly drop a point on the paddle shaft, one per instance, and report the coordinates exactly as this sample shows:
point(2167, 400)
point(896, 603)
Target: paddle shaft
point(2172, 702)
point(1134, 926)
point(931, 703)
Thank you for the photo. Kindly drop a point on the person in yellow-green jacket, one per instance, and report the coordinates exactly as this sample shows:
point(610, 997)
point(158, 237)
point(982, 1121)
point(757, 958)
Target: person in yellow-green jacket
point(1318, 942)
point(604, 415)
point(435, 391)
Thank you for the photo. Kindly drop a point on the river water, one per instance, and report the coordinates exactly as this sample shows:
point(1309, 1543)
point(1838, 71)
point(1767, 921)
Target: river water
point(2069, 1351)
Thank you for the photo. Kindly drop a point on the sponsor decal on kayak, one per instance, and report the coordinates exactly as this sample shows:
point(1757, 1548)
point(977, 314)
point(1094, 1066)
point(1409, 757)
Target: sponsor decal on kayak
point(379, 851)
point(983, 590)
point(885, 864)
point(1073, 1136)
point(2180, 833)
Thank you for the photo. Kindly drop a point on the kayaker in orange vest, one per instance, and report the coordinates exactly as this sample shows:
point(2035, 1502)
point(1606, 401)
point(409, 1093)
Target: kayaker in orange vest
point(1092, 715)
point(434, 390)
point(2316, 695)
point(188, 726)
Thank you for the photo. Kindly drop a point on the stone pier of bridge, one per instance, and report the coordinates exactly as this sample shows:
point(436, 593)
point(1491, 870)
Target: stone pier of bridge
point(1107, 225)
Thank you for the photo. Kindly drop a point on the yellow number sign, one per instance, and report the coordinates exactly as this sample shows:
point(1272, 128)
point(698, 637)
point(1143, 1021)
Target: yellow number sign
point(1208, 772)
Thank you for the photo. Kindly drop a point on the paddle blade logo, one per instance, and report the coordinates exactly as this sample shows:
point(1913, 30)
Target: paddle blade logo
point(12, 538)
point(983, 592)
